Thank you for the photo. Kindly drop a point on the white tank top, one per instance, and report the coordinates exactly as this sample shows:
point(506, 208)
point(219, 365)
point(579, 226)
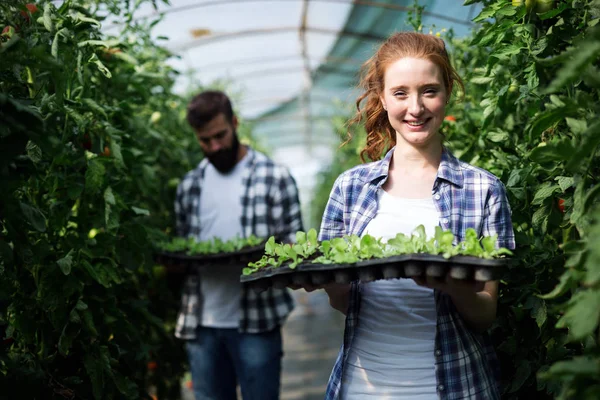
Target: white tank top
point(392, 354)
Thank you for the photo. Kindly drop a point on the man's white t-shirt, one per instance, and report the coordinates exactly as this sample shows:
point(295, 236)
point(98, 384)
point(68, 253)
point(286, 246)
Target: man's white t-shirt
point(220, 216)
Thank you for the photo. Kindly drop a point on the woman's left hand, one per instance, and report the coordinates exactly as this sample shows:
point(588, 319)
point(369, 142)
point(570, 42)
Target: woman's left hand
point(475, 301)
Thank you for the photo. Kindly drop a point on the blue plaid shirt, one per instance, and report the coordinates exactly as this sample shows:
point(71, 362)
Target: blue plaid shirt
point(465, 197)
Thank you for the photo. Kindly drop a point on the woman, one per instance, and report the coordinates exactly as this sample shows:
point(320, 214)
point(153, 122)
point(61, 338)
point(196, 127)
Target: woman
point(420, 339)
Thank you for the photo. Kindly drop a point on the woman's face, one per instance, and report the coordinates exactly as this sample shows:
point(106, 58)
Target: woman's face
point(415, 98)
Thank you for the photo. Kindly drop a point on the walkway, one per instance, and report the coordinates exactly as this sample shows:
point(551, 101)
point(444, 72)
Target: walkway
point(311, 339)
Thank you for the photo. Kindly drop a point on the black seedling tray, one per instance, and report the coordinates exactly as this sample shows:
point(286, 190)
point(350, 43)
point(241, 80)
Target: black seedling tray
point(181, 262)
point(466, 268)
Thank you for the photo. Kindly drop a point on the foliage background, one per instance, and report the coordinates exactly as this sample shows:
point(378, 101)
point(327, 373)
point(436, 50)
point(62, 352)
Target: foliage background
point(92, 143)
point(531, 116)
point(92, 140)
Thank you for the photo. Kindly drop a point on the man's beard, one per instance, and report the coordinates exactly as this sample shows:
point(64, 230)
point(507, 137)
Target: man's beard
point(225, 159)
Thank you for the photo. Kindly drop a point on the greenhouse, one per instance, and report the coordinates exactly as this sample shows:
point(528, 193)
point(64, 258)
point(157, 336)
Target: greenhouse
point(300, 199)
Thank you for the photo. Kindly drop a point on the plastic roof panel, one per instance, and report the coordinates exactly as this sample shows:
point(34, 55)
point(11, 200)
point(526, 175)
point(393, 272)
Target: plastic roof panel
point(295, 62)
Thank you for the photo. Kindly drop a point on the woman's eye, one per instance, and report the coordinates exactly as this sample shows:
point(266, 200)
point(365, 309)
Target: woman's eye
point(431, 91)
point(399, 94)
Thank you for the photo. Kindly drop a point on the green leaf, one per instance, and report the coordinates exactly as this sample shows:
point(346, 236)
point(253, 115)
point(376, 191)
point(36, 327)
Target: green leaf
point(54, 47)
point(97, 275)
point(540, 312)
point(140, 211)
point(94, 106)
point(111, 217)
point(582, 56)
point(482, 80)
point(125, 386)
point(539, 219)
point(565, 182)
point(80, 67)
point(93, 367)
point(544, 191)
point(498, 136)
point(485, 14)
point(66, 263)
point(94, 176)
point(507, 51)
point(34, 216)
point(47, 18)
point(115, 149)
point(548, 118)
point(67, 336)
point(577, 126)
point(300, 237)
point(109, 197)
point(88, 321)
point(582, 315)
point(101, 67)
point(521, 375)
point(33, 152)
point(578, 366)
point(81, 305)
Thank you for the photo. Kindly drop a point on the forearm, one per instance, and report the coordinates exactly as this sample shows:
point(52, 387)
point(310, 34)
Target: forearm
point(339, 296)
point(478, 309)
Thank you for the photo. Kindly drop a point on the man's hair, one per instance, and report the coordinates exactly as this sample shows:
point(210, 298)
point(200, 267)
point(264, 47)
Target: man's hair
point(205, 106)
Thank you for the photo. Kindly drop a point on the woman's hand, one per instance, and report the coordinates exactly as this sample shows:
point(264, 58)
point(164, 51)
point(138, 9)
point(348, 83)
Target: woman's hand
point(476, 302)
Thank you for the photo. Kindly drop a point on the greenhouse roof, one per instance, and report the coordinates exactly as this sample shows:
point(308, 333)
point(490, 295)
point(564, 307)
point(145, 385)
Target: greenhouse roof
point(293, 63)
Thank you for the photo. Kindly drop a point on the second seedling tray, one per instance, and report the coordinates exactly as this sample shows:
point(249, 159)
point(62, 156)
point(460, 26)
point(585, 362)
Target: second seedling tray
point(181, 262)
point(466, 268)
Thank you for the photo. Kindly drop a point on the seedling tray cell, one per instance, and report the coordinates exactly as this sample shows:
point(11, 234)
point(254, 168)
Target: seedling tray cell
point(407, 266)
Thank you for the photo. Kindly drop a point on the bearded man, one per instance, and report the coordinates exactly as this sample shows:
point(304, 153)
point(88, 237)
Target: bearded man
point(233, 335)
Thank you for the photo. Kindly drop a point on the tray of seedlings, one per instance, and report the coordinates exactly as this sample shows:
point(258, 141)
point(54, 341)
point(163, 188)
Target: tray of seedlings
point(181, 255)
point(366, 258)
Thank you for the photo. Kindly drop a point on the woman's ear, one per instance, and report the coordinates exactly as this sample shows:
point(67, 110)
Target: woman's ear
point(383, 103)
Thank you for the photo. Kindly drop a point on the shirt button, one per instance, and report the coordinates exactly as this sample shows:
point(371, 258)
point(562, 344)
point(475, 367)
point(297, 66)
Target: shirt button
point(441, 388)
point(438, 353)
point(445, 220)
point(437, 197)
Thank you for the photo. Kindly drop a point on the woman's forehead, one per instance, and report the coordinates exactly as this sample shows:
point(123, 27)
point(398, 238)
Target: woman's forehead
point(409, 70)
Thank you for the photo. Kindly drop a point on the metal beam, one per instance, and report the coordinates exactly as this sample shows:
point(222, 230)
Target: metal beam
point(263, 60)
point(270, 31)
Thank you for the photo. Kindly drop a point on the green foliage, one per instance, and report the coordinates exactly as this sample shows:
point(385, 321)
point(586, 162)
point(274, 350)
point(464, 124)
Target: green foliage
point(530, 116)
point(352, 248)
point(91, 143)
point(192, 247)
point(344, 158)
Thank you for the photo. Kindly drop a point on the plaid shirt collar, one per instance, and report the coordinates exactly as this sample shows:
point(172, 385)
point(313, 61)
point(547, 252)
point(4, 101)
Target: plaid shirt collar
point(449, 169)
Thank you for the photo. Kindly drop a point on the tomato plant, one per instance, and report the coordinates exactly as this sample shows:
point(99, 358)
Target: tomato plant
point(88, 180)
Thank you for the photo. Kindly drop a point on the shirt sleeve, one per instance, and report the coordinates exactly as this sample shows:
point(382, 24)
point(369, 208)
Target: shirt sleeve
point(180, 216)
point(332, 223)
point(285, 207)
point(497, 219)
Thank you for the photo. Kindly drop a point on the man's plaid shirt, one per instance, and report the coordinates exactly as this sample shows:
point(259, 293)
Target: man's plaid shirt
point(465, 197)
point(270, 206)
